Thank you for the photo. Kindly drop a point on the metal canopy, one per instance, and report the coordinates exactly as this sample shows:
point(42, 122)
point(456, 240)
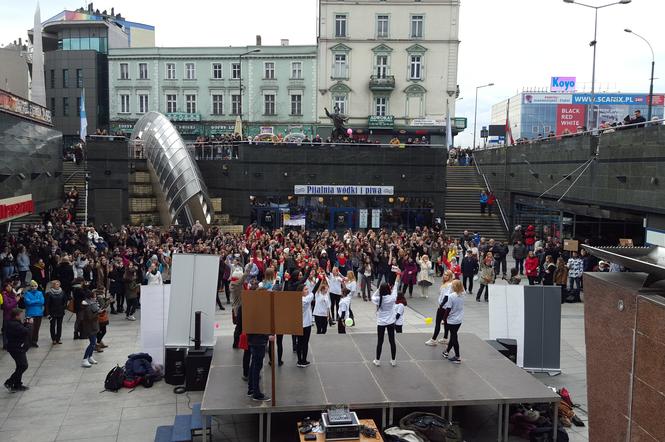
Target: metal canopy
point(650, 260)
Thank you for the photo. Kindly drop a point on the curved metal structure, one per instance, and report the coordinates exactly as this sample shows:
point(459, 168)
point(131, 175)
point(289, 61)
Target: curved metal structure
point(176, 170)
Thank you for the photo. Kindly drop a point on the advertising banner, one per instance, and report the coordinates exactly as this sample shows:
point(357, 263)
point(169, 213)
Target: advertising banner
point(16, 207)
point(376, 218)
point(569, 117)
point(544, 98)
point(562, 84)
point(636, 99)
point(18, 105)
point(362, 218)
point(332, 189)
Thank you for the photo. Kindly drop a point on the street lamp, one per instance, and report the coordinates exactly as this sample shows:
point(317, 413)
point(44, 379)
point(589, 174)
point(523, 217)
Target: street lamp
point(240, 76)
point(653, 64)
point(593, 43)
point(475, 112)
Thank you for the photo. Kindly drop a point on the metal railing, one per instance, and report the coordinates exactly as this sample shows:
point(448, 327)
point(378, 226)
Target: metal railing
point(489, 188)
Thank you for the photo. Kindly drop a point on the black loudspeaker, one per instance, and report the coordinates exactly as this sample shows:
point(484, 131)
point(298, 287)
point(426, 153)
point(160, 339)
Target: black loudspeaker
point(174, 366)
point(197, 366)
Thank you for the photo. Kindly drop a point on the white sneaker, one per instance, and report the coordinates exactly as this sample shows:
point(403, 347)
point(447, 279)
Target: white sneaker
point(393, 362)
point(442, 341)
point(92, 360)
point(86, 363)
point(431, 342)
point(131, 318)
point(376, 362)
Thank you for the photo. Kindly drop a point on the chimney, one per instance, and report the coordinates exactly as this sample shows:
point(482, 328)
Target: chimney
point(284, 42)
point(258, 40)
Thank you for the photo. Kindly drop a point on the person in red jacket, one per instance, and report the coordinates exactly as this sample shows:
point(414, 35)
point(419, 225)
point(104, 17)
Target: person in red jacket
point(531, 267)
point(530, 237)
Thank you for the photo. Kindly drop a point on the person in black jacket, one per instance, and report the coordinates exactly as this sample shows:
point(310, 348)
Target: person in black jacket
point(17, 333)
point(469, 270)
point(117, 287)
point(56, 304)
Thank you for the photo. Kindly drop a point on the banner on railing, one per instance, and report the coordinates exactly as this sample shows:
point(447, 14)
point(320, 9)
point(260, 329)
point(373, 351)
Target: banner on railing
point(332, 189)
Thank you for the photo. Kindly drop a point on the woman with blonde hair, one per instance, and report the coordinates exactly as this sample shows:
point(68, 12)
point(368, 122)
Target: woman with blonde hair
point(455, 307)
point(441, 314)
point(424, 277)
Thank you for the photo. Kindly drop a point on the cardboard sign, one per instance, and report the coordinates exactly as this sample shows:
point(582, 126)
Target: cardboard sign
point(571, 245)
point(267, 313)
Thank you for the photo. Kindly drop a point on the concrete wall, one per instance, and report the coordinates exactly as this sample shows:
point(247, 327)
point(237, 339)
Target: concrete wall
point(627, 176)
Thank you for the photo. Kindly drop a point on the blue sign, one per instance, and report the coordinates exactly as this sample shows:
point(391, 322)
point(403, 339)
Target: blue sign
point(610, 99)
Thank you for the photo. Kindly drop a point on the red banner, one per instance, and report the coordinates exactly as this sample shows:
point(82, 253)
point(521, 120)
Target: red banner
point(569, 117)
point(11, 208)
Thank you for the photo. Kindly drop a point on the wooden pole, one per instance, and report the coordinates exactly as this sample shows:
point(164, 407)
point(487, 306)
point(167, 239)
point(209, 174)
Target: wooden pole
point(274, 344)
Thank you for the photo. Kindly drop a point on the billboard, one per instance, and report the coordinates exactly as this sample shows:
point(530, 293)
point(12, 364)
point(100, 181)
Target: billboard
point(545, 98)
point(569, 117)
point(562, 84)
point(625, 99)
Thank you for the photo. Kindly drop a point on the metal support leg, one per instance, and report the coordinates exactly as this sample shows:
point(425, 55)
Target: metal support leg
point(506, 412)
point(450, 413)
point(261, 427)
point(555, 421)
point(500, 423)
point(204, 433)
point(383, 418)
point(268, 423)
point(390, 416)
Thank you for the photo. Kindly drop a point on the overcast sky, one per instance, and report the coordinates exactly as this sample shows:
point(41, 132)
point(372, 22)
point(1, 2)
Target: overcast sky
point(513, 43)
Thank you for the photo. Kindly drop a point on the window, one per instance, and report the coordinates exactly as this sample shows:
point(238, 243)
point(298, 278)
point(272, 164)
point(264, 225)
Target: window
point(339, 69)
point(236, 104)
point(235, 71)
point(190, 103)
point(296, 70)
point(381, 66)
point(65, 78)
point(79, 78)
point(217, 71)
point(65, 106)
point(217, 104)
point(143, 103)
point(170, 71)
point(52, 106)
point(124, 104)
point(296, 104)
point(78, 106)
point(381, 106)
point(171, 103)
point(415, 67)
point(52, 78)
point(124, 71)
point(269, 104)
point(143, 71)
point(382, 26)
point(269, 69)
point(190, 71)
point(340, 25)
point(339, 103)
point(417, 26)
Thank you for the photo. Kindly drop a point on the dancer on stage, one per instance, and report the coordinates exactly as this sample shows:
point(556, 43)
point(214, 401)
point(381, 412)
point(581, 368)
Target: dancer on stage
point(399, 312)
point(455, 317)
point(441, 314)
point(302, 342)
point(384, 298)
point(321, 305)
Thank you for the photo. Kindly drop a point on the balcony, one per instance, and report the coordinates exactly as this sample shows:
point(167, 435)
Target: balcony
point(385, 83)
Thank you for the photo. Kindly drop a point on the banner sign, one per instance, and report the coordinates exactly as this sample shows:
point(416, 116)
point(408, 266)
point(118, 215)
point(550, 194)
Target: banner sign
point(11, 208)
point(18, 105)
point(376, 218)
point(183, 116)
point(362, 218)
point(333, 189)
point(544, 98)
point(615, 99)
point(562, 84)
point(380, 122)
point(569, 117)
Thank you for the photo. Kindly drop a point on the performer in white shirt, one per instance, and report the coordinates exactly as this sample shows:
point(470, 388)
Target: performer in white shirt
point(302, 343)
point(384, 298)
point(455, 318)
point(321, 305)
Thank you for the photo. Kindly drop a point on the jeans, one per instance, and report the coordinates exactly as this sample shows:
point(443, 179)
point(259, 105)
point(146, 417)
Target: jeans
point(21, 361)
point(380, 330)
point(321, 324)
point(238, 329)
point(454, 342)
point(303, 343)
point(366, 286)
point(120, 301)
point(131, 306)
point(483, 287)
point(483, 206)
point(519, 265)
point(257, 352)
point(334, 304)
point(36, 324)
point(575, 282)
point(91, 346)
point(468, 279)
point(440, 317)
point(101, 333)
point(227, 290)
point(409, 286)
point(56, 328)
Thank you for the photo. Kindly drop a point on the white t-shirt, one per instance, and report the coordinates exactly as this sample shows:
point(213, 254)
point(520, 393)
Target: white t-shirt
point(344, 307)
point(456, 305)
point(352, 286)
point(307, 319)
point(335, 284)
point(445, 290)
point(399, 310)
point(321, 303)
point(385, 314)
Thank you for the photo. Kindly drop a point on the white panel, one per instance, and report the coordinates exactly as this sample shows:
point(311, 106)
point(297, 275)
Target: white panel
point(655, 238)
point(506, 315)
point(194, 285)
point(154, 319)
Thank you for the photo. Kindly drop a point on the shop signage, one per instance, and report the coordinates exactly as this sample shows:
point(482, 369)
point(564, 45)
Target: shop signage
point(183, 116)
point(188, 129)
point(376, 218)
point(562, 84)
point(420, 122)
point(11, 208)
point(216, 129)
point(569, 117)
point(23, 107)
point(266, 130)
point(544, 98)
point(334, 189)
point(380, 122)
point(362, 218)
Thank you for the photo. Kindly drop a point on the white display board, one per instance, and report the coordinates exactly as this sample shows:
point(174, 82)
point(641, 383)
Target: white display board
point(506, 315)
point(154, 319)
point(193, 288)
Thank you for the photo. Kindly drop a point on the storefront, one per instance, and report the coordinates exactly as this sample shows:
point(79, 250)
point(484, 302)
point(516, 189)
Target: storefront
point(284, 129)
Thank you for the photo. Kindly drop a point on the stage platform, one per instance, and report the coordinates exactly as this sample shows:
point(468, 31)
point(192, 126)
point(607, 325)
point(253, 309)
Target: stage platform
point(342, 373)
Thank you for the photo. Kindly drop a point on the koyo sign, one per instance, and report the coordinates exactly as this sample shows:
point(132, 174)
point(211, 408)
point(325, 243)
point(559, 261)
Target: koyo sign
point(562, 84)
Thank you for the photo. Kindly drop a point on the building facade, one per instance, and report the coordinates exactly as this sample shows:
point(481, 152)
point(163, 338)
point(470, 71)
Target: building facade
point(391, 67)
point(536, 114)
point(199, 89)
point(76, 44)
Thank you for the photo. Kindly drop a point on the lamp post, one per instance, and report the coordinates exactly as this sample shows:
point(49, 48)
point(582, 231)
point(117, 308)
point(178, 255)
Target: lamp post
point(475, 111)
point(653, 64)
point(240, 77)
point(593, 43)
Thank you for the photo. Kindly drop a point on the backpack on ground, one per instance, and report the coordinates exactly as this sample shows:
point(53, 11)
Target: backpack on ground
point(114, 379)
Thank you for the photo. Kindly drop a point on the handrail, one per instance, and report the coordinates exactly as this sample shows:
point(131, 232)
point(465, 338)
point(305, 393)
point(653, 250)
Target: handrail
point(73, 175)
point(487, 185)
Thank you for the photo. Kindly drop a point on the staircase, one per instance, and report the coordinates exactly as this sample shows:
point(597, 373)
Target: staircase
point(185, 427)
point(464, 185)
point(74, 176)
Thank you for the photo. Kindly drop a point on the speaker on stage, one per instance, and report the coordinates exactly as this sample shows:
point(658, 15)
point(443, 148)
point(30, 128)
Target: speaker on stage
point(174, 366)
point(197, 366)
